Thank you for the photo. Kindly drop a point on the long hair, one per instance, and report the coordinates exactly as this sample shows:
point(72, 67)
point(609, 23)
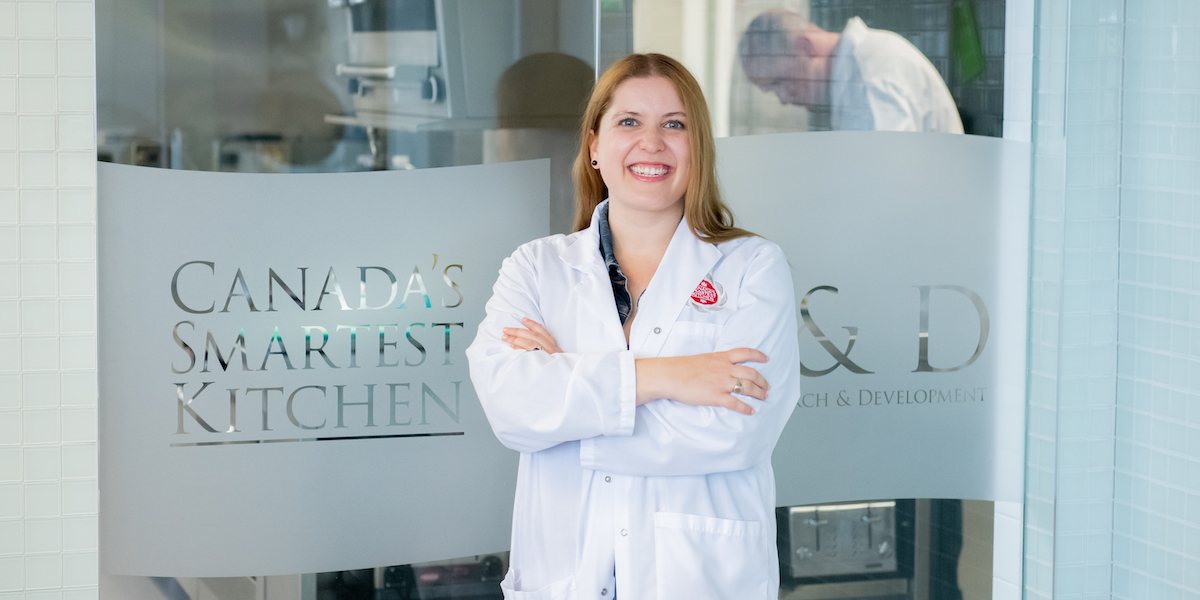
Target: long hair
point(707, 216)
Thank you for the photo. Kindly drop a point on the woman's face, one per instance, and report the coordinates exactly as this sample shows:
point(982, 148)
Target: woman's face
point(641, 146)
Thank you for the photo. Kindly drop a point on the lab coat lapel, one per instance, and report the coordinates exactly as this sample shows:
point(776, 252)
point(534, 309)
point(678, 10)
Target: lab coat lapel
point(594, 290)
point(683, 267)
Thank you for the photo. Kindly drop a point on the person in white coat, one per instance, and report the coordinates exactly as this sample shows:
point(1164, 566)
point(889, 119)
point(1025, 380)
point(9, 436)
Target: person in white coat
point(871, 79)
point(644, 366)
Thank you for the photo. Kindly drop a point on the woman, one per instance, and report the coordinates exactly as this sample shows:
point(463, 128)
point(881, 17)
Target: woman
point(611, 359)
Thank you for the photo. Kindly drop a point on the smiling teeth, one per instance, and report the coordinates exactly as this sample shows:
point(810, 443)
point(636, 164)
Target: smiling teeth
point(650, 171)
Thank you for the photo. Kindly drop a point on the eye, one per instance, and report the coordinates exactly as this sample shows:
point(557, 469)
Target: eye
point(674, 124)
point(628, 122)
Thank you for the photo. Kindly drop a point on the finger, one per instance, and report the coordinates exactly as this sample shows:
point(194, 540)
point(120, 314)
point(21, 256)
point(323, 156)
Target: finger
point(519, 343)
point(532, 340)
point(738, 406)
point(753, 390)
point(751, 375)
point(535, 326)
point(741, 355)
point(547, 341)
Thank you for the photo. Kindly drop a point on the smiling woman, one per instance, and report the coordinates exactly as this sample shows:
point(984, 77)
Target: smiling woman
point(628, 363)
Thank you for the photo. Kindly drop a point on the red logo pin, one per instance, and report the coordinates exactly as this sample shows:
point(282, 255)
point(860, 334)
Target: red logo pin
point(705, 294)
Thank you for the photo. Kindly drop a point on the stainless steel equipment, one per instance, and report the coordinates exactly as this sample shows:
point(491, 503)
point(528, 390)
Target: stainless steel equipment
point(842, 539)
point(427, 64)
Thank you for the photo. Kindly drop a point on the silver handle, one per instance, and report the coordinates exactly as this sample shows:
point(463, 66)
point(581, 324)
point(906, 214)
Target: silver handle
point(366, 71)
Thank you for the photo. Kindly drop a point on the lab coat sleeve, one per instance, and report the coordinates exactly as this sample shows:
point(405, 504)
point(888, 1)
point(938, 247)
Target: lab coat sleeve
point(536, 400)
point(670, 438)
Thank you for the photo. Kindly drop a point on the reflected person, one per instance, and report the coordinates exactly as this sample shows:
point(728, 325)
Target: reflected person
point(871, 79)
point(629, 361)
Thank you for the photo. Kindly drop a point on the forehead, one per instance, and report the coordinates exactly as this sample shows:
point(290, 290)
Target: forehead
point(654, 95)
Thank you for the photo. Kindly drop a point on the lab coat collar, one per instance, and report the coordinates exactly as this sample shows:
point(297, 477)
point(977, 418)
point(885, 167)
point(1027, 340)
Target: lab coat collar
point(687, 261)
point(584, 252)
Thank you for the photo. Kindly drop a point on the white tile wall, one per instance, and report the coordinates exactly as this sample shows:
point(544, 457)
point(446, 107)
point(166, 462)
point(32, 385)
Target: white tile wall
point(47, 302)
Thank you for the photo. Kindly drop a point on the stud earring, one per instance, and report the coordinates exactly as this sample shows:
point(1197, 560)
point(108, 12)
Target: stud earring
point(593, 163)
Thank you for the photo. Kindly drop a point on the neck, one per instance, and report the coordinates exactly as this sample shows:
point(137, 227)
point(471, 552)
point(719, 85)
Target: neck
point(642, 233)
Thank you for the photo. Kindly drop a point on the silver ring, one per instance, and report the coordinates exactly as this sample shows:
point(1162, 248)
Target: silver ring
point(536, 348)
point(737, 387)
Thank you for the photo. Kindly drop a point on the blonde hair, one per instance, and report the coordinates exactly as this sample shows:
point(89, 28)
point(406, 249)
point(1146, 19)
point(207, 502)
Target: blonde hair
point(707, 215)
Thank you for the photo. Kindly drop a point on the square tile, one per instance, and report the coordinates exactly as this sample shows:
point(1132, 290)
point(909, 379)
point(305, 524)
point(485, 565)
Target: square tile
point(39, 353)
point(11, 466)
point(78, 461)
point(35, 57)
point(77, 316)
point(77, 242)
point(42, 500)
point(43, 464)
point(8, 57)
point(35, 20)
point(40, 390)
point(8, 169)
point(38, 207)
point(79, 425)
point(77, 279)
point(39, 316)
point(44, 595)
point(8, 19)
point(76, 132)
point(77, 94)
point(10, 429)
point(12, 574)
point(79, 389)
point(8, 94)
point(80, 569)
point(10, 501)
point(37, 133)
point(43, 571)
point(38, 280)
point(43, 535)
point(80, 533)
point(78, 352)
point(8, 132)
point(10, 391)
point(77, 169)
point(77, 206)
point(12, 537)
point(91, 593)
point(10, 317)
point(8, 207)
point(37, 95)
point(39, 243)
point(76, 58)
point(75, 20)
point(40, 426)
point(37, 169)
point(79, 497)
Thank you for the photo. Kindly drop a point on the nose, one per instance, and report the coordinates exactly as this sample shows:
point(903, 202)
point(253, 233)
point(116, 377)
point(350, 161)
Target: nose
point(651, 140)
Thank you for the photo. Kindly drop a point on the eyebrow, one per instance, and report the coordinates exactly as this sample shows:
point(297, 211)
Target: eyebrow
point(637, 114)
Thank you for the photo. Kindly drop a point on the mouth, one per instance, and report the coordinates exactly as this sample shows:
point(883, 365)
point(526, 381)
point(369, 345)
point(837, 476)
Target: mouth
point(650, 172)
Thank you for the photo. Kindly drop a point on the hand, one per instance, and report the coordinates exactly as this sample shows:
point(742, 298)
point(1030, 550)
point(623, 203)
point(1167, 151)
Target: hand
point(703, 379)
point(535, 337)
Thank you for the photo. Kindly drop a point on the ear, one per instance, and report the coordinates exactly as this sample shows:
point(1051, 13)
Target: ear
point(593, 143)
point(805, 45)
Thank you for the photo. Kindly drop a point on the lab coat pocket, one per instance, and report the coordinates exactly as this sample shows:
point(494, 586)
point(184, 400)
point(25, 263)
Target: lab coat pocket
point(559, 590)
point(699, 557)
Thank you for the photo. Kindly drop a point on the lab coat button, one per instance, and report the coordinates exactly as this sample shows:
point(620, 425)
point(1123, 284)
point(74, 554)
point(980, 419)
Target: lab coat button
point(658, 330)
point(624, 532)
point(604, 592)
point(607, 479)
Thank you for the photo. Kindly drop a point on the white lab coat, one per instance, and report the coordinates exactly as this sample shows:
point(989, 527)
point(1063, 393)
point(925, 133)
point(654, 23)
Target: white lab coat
point(677, 501)
point(881, 82)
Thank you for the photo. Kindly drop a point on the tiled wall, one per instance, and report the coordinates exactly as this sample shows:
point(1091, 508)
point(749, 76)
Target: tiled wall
point(47, 302)
point(1156, 521)
point(1113, 488)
